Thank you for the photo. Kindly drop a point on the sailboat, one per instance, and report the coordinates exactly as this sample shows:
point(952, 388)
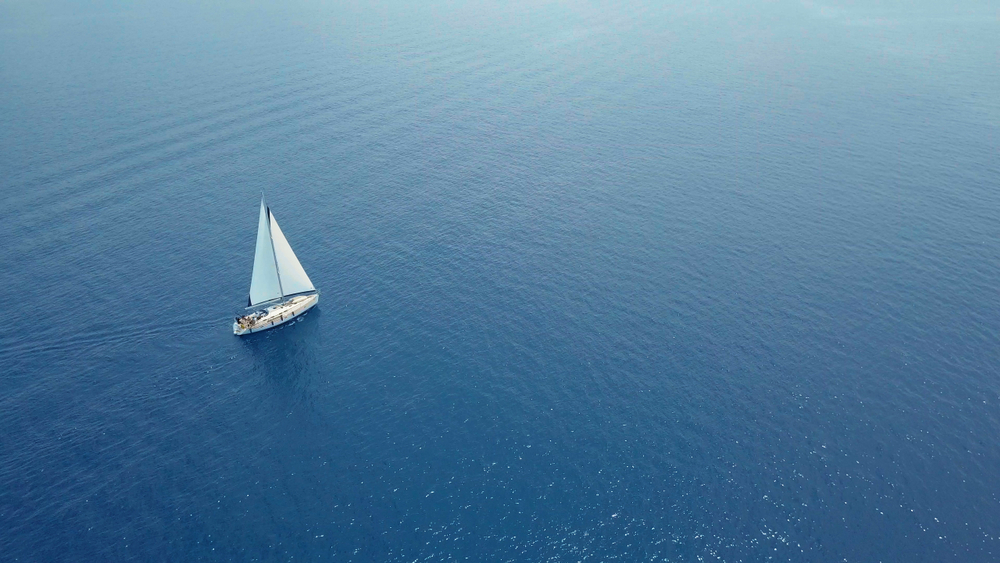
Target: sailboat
point(278, 280)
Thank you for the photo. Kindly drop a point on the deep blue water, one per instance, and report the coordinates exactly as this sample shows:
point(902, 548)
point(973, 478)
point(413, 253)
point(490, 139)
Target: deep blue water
point(600, 281)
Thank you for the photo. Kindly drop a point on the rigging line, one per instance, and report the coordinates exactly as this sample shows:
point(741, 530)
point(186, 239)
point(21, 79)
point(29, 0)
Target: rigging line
point(274, 255)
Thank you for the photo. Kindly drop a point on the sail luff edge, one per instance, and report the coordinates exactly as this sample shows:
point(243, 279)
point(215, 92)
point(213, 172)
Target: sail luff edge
point(273, 254)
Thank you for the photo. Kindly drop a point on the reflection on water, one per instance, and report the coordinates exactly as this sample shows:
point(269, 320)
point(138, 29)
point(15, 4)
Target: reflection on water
point(286, 357)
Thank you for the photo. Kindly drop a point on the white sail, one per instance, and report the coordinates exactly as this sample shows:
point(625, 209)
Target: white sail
point(293, 277)
point(264, 285)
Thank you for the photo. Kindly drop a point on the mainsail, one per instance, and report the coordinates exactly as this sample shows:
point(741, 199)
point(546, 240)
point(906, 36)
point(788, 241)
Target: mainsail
point(276, 270)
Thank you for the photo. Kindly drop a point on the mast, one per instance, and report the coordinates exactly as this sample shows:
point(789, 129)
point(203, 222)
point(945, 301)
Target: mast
point(270, 238)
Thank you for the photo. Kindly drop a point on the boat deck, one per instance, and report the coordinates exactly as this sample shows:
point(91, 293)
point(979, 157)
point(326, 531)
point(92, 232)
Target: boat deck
point(275, 315)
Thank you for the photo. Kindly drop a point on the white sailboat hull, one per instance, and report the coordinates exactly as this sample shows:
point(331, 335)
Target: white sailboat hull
point(276, 315)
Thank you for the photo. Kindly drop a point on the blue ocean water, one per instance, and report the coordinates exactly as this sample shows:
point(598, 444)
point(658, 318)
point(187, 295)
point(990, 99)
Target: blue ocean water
point(601, 281)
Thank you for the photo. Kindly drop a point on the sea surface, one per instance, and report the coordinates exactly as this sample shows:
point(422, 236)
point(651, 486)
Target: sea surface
point(601, 281)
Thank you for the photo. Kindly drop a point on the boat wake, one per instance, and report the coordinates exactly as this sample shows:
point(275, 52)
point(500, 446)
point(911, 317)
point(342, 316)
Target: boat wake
point(101, 338)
